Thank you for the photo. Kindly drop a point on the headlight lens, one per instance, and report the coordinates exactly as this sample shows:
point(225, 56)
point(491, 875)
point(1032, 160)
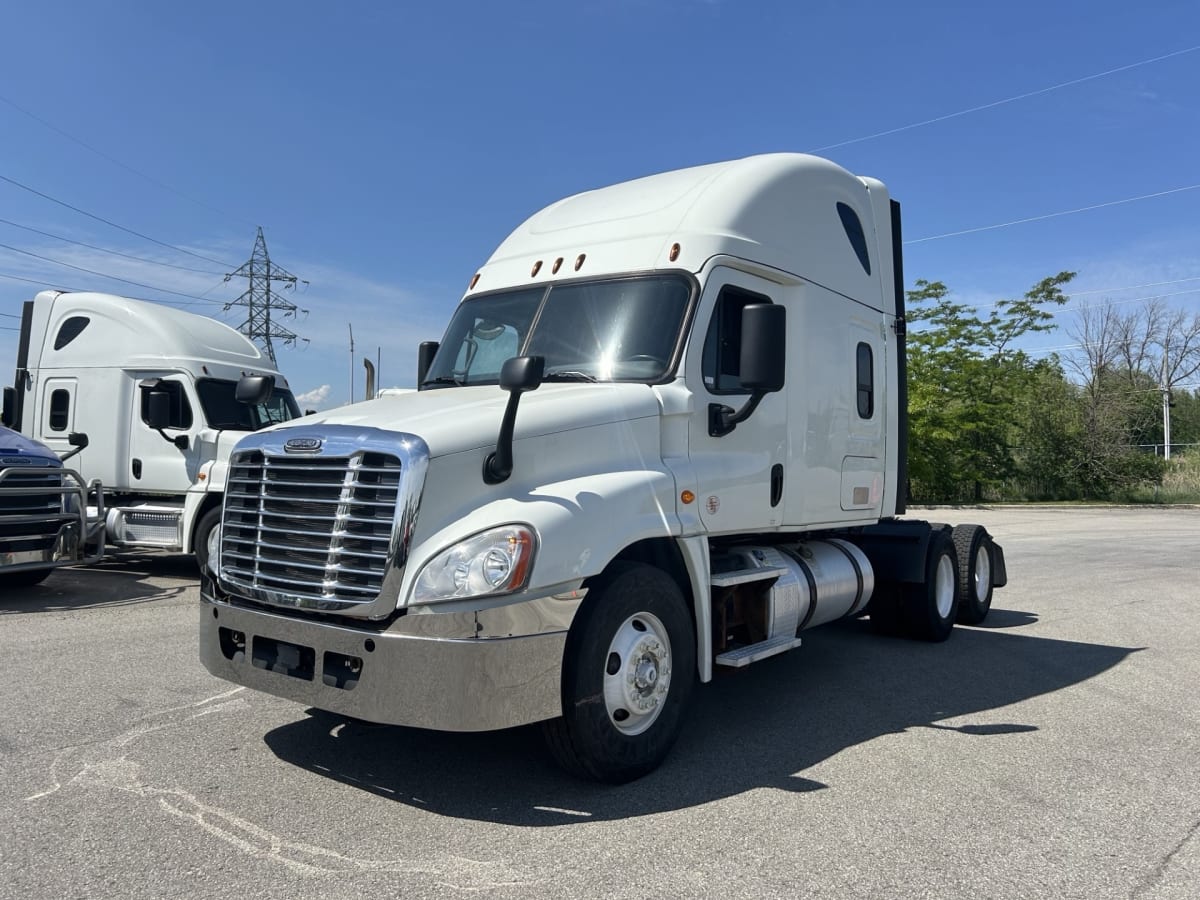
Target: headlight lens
point(492, 562)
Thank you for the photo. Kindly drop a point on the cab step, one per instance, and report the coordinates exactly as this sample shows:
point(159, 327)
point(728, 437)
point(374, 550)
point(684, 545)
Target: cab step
point(745, 576)
point(751, 653)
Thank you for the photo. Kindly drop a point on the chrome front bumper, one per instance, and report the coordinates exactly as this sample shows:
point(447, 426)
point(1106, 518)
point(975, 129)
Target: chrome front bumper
point(472, 671)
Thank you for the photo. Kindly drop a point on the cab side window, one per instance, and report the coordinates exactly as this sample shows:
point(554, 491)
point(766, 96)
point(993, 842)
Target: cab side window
point(722, 365)
point(181, 410)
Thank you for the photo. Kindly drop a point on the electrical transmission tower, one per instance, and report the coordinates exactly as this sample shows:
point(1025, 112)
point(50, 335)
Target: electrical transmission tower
point(260, 301)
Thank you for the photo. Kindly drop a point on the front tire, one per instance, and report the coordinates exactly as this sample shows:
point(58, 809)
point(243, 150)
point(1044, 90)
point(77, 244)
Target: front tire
point(204, 527)
point(628, 670)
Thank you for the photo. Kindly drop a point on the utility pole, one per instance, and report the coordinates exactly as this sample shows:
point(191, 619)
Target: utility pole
point(351, 327)
point(1166, 398)
point(260, 301)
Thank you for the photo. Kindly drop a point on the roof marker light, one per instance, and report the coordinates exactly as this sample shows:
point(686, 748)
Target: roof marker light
point(537, 267)
point(557, 265)
point(579, 261)
point(474, 281)
point(674, 255)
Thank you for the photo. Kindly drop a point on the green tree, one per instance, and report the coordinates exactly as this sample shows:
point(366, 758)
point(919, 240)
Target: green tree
point(965, 380)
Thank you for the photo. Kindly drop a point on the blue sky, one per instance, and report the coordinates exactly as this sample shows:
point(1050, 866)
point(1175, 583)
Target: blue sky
point(387, 150)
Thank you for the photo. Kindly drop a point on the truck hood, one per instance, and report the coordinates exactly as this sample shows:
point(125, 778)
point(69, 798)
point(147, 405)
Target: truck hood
point(452, 420)
point(16, 449)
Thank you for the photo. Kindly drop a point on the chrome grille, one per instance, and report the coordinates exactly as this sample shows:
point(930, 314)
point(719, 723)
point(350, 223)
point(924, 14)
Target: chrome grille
point(31, 507)
point(310, 528)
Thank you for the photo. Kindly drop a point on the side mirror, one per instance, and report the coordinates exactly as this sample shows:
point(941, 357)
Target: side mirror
point(78, 440)
point(254, 389)
point(763, 364)
point(9, 416)
point(517, 375)
point(764, 347)
point(425, 354)
point(158, 410)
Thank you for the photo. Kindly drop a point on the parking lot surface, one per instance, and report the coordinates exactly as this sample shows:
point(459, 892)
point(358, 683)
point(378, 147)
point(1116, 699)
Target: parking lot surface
point(1052, 752)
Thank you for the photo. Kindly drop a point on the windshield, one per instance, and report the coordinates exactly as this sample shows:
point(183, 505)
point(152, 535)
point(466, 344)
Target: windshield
point(222, 410)
point(625, 329)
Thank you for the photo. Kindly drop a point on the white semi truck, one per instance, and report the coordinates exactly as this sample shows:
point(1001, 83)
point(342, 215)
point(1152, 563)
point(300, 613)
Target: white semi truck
point(161, 396)
point(664, 433)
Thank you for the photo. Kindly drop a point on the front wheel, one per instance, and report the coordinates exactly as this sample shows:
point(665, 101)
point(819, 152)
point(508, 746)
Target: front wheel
point(628, 669)
point(204, 528)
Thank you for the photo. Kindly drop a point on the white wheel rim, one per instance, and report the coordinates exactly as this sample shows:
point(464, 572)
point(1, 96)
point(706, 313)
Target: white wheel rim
point(637, 673)
point(983, 573)
point(944, 586)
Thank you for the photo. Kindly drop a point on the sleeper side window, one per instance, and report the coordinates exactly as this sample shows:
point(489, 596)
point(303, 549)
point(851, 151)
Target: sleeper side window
point(865, 377)
point(60, 408)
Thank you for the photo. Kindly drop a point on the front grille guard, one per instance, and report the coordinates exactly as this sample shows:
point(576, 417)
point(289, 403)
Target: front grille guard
point(342, 441)
point(27, 525)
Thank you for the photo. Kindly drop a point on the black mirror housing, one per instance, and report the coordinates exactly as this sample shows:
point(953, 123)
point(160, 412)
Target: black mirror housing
point(764, 347)
point(522, 373)
point(254, 389)
point(158, 412)
point(425, 354)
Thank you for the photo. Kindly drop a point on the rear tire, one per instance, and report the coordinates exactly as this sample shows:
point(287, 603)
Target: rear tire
point(929, 608)
point(628, 670)
point(974, 547)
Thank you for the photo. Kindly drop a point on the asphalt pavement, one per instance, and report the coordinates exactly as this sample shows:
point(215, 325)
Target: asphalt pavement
point(1053, 751)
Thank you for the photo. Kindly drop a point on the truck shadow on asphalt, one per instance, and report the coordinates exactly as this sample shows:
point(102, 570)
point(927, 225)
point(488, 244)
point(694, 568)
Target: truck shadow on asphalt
point(760, 727)
point(120, 579)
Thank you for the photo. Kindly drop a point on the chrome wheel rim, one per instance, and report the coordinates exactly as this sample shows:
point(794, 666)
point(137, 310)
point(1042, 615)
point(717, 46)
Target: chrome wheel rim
point(983, 573)
point(637, 673)
point(943, 586)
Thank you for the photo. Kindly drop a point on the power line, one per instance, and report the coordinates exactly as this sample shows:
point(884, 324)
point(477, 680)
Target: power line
point(117, 162)
point(152, 287)
point(154, 262)
point(1013, 99)
point(1068, 212)
point(83, 212)
point(41, 282)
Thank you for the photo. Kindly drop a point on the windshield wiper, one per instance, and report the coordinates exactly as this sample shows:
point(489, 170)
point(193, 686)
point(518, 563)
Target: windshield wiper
point(568, 376)
point(441, 379)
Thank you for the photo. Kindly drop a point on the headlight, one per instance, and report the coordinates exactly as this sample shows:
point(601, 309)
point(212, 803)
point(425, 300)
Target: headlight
point(492, 562)
point(214, 551)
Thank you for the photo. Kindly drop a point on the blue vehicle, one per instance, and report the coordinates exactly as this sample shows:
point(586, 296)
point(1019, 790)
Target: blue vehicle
point(43, 513)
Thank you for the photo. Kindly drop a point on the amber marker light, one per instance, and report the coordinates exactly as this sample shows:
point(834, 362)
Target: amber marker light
point(674, 255)
point(557, 266)
point(687, 497)
point(579, 261)
point(537, 267)
point(474, 281)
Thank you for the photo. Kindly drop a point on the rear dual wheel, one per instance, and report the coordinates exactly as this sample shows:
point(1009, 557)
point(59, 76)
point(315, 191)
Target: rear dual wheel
point(928, 609)
point(974, 547)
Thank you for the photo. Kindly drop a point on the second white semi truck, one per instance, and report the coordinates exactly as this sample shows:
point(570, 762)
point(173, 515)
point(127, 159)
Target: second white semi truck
point(664, 434)
point(161, 395)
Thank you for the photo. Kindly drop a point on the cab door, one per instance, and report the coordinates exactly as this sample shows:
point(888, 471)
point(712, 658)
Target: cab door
point(739, 475)
point(156, 464)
